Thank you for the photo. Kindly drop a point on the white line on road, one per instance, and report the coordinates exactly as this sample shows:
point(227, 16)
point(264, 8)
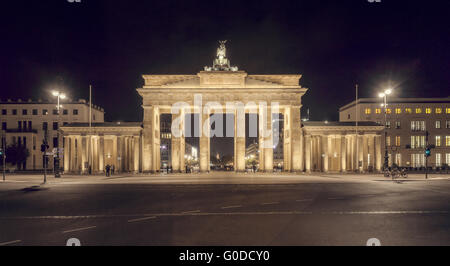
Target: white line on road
point(197, 213)
point(141, 219)
point(230, 207)
point(192, 211)
point(10, 242)
point(79, 229)
point(300, 200)
point(269, 203)
point(335, 198)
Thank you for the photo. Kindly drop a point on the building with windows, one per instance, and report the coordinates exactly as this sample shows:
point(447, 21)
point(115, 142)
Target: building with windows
point(407, 121)
point(28, 123)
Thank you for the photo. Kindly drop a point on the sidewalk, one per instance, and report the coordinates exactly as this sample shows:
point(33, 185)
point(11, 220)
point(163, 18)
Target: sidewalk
point(216, 178)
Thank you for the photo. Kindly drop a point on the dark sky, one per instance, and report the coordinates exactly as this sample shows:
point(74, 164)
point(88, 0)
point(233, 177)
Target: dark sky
point(334, 44)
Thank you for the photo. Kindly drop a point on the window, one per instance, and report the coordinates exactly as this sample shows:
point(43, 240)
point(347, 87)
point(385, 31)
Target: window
point(388, 124)
point(397, 124)
point(14, 111)
point(55, 142)
point(378, 111)
point(428, 110)
point(437, 141)
point(417, 125)
point(408, 110)
point(55, 125)
point(447, 124)
point(35, 111)
point(397, 141)
point(438, 124)
point(4, 112)
point(438, 160)
point(4, 126)
point(447, 110)
point(388, 140)
point(44, 112)
point(398, 159)
point(75, 111)
point(447, 141)
point(398, 110)
point(24, 111)
point(368, 111)
point(30, 125)
point(44, 126)
point(447, 158)
point(65, 112)
point(418, 110)
point(418, 160)
point(388, 111)
point(348, 116)
point(55, 111)
point(438, 110)
point(19, 125)
point(417, 142)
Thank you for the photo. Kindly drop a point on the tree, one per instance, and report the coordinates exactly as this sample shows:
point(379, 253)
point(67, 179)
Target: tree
point(16, 155)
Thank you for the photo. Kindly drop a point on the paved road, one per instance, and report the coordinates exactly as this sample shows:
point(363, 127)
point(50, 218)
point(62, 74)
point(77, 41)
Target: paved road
point(301, 213)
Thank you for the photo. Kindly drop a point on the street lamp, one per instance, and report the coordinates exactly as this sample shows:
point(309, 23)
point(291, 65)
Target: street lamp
point(59, 95)
point(384, 96)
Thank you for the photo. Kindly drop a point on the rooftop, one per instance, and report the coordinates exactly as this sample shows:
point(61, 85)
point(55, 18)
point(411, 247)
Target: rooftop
point(394, 100)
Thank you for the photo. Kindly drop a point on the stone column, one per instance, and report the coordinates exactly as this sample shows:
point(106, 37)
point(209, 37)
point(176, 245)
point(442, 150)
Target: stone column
point(365, 151)
point(343, 153)
point(371, 141)
point(177, 143)
point(115, 154)
point(136, 156)
point(205, 141)
point(73, 155)
point(378, 152)
point(268, 144)
point(101, 153)
point(239, 140)
point(79, 154)
point(84, 154)
point(360, 153)
point(66, 154)
point(325, 152)
point(296, 139)
point(150, 145)
point(308, 153)
point(287, 152)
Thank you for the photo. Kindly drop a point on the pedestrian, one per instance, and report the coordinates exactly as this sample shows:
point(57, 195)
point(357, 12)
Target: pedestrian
point(107, 169)
point(112, 169)
point(187, 169)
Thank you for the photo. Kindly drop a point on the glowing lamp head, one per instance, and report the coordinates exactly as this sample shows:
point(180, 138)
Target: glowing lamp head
point(388, 91)
point(381, 95)
point(62, 96)
point(55, 93)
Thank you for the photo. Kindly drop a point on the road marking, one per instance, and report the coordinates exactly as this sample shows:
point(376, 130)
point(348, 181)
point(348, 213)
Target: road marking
point(335, 198)
point(197, 213)
point(79, 229)
point(191, 211)
point(229, 207)
point(367, 196)
point(300, 200)
point(10, 242)
point(270, 203)
point(141, 219)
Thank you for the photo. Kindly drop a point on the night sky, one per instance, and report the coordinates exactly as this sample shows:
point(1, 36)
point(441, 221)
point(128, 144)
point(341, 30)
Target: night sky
point(333, 44)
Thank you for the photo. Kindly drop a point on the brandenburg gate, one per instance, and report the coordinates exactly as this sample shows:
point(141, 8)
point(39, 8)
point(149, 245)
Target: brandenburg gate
point(223, 89)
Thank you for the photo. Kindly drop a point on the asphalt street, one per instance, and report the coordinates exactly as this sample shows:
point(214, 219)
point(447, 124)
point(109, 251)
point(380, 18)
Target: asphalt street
point(321, 212)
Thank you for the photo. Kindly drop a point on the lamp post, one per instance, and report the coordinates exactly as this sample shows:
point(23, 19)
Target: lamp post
point(59, 96)
point(384, 96)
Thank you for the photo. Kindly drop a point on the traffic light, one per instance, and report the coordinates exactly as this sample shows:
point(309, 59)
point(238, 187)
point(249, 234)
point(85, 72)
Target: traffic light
point(44, 147)
point(427, 152)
